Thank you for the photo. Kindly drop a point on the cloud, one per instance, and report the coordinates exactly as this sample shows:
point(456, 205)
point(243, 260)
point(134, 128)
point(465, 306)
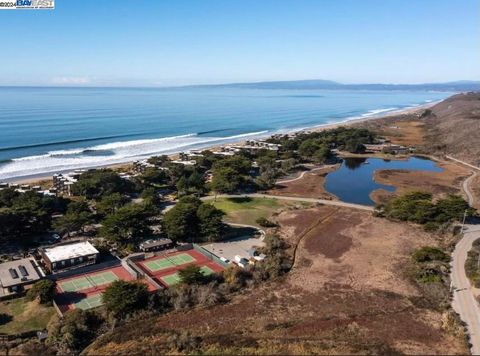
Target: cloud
point(71, 80)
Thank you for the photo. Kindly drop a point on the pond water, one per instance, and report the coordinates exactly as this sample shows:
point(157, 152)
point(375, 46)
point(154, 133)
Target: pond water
point(354, 180)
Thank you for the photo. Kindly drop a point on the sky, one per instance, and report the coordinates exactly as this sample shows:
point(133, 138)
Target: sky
point(178, 42)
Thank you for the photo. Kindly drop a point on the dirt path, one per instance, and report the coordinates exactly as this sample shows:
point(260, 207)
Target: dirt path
point(279, 197)
point(300, 176)
point(307, 231)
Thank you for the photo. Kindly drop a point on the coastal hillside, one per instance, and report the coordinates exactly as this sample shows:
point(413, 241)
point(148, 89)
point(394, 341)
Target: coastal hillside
point(457, 86)
point(453, 127)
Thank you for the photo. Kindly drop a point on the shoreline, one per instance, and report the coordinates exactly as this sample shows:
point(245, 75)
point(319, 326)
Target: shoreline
point(43, 178)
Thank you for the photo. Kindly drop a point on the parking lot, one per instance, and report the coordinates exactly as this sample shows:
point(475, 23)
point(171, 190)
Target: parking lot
point(231, 248)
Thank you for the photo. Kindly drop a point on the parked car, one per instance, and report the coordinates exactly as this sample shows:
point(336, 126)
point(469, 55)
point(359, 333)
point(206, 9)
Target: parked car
point(54, 238)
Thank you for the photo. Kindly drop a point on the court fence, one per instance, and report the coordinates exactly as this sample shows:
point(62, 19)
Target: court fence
point(85, 270)
point(130, 265)
point(209, 255)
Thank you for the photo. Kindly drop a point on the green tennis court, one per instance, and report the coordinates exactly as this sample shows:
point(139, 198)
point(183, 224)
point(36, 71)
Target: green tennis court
point(90, 302)
point(87, 282)
point(174, 278)
point(169, 262)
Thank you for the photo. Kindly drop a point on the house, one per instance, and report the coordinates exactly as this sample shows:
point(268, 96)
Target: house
point(69, 256)
point(17, 276)
point(156, 245)
point(253, 146)
point(141, 166)
point(63, 182)
point(185, 163)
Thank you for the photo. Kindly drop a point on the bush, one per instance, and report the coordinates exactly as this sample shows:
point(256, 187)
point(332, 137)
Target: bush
point(429, 254)
point(185, 296)
point(75, 331)
point(43, 290)
point(472, 268)
point(184, 342)
point(264, 222)
point(236, 278)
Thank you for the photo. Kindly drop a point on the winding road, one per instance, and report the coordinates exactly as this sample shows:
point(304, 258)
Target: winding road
point(464, 302)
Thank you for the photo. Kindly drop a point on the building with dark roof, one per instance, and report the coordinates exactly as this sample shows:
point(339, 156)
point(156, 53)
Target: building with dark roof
point(17, 276)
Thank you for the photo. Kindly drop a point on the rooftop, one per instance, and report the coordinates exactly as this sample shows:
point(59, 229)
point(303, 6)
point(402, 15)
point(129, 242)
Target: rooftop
point(19, 271)
point(154, 243)
point(65, 252)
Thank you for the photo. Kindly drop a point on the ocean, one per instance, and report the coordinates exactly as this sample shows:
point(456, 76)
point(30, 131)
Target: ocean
point(47, 130)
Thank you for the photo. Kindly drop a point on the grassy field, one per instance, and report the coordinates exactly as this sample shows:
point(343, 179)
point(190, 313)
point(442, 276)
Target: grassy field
point(248, 210)
point(20, 315)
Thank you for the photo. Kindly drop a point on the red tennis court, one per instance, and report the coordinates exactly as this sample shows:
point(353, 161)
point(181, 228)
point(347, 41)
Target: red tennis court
point(163, 268)
point(84, 290)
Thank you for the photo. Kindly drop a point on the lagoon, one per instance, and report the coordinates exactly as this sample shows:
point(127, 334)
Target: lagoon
point(354, 181)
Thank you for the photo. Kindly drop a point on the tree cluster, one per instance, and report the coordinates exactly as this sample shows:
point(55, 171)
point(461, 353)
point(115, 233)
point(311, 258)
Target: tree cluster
point(23, 215)
point(191, 220)
point(231, 174)
point(316, 146)
point(96, 183)
point(43, 291)
point(419, 208)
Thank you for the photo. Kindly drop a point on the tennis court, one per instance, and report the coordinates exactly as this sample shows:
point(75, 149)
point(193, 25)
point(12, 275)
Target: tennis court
point(88, 281)
point(165, 262)
point(90, 302)
point(174, 278)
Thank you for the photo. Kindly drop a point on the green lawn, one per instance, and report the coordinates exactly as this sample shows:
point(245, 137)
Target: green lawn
point(24, 315)
point(248, 210)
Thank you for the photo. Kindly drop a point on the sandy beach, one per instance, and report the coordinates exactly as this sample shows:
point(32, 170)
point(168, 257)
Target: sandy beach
point(45, 180)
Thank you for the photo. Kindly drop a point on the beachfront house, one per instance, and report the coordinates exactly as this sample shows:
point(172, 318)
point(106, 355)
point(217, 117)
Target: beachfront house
point(63, 182)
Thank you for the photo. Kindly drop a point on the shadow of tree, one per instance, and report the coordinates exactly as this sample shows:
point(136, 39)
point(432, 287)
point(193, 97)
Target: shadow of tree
point(5, 318)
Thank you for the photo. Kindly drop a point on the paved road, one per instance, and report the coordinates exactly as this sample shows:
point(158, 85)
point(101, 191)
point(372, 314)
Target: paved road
point(463, 162)
point(464, 302)
point(307, 200)
point(466, 188)
point(467, 182)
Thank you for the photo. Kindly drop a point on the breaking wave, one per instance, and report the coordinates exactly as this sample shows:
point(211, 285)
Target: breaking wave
point(110, 153)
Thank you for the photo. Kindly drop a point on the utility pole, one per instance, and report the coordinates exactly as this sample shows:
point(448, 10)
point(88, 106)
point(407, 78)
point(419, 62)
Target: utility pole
point(464, 218)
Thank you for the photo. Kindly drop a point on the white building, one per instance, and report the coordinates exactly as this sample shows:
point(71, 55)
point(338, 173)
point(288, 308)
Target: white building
point(68, 256)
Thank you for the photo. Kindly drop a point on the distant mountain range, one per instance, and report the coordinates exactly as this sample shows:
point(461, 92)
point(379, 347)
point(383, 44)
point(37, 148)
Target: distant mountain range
point(458, 86)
